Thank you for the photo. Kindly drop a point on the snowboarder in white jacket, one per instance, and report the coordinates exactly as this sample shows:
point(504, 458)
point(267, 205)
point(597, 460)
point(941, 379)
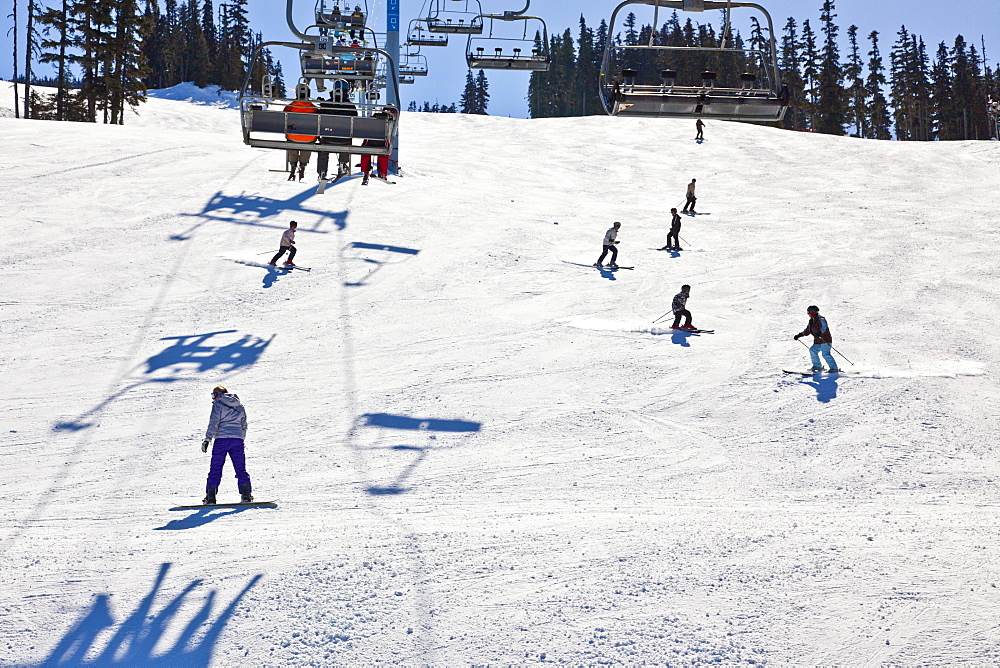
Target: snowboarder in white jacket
point(287, 244)
point(610, 241)
point(227, 426)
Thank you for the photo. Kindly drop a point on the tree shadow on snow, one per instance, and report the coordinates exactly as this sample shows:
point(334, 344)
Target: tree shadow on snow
point(412, 455)
point(203, 516)
point(825, 386)
point(256, 210)
point(138, 635)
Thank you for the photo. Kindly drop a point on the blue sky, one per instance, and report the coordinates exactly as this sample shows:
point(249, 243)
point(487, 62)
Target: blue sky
point(935, 20)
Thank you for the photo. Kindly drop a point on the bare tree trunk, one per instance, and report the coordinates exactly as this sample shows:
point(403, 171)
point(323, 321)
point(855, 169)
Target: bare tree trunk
point(17, 102)
point(29, 44)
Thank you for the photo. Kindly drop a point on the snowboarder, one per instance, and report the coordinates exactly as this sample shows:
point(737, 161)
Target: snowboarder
point(822, 340)
point(691, 199)
point(679, 307)
point(610, 242)
point(287, 244)
point(675, 232)
point(700, 125)
point(228, 427)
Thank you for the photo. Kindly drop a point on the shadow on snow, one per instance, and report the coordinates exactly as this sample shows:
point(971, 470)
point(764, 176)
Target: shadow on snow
point(136, 639)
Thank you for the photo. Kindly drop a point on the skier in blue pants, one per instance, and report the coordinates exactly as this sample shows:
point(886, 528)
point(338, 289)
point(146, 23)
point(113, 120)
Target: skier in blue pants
point(822, 340)
point(228, 427)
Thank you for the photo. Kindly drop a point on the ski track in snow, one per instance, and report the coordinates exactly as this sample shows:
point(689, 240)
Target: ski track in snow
point(484, 454)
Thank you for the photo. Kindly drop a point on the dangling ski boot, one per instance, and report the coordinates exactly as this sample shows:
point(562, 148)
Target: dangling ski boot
point(209, 499)
point(245, 496)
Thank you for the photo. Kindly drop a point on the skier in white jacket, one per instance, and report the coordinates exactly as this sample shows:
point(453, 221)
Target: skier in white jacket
point(287, 244)
point(610, 241)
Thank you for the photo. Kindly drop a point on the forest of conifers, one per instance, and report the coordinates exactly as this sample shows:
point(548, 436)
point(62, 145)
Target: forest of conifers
point(104, 54)
point(915, 97)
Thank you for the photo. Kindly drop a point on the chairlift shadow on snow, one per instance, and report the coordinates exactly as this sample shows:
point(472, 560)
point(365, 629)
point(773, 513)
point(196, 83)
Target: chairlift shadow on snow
point(379, 264)
point(135, 641)
point(403, 423)
point(189, 350)
point(256, 210)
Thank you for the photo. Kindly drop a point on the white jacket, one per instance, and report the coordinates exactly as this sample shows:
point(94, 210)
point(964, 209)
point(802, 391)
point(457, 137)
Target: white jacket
point(229, 419)
point(610, 236)
point(288, 237)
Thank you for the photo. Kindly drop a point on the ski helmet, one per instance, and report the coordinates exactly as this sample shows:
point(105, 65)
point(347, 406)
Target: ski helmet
point(812, 309)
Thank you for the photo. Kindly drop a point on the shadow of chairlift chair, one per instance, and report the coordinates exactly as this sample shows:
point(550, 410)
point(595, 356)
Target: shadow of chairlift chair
point(510, 53)
point(756, 97)
point(418, 35)
point(467, 21)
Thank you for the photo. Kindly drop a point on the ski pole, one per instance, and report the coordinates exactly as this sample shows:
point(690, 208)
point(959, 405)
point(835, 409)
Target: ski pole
point(841, 354)
point(663, 316)
point(684, 240)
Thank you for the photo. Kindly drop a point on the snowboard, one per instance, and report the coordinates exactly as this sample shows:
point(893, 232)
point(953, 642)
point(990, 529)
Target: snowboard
point(252, 504)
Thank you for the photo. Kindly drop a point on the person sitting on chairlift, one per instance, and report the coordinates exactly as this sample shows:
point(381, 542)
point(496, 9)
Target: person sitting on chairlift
point(339, 105)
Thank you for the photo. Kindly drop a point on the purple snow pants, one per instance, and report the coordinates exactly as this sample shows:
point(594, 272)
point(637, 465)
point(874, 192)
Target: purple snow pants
point(234, 448)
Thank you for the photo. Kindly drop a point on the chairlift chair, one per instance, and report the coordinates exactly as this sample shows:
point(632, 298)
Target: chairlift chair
point(467, 20)
point(414, 65)
point(340, 18)
point(304, 123)
point(510, 53)
point(754, 95)
point(419, 35)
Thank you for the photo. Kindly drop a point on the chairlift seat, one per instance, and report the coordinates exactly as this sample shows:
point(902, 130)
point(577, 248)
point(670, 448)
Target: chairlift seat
point(473, 27)
point(422, 39)
point(719, 104)
point(323, 126)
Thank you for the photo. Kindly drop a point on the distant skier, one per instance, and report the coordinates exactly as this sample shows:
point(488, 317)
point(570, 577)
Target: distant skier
point(610, 241)
point(228, 427)
point(700, 125)
point(822, 340)
point(287, 245)
point(679, 307)
point(691, 199)
point(675, 232)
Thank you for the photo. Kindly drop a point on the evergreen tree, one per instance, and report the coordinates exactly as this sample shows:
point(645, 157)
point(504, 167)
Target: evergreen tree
point(857, 111)
point(830, 107)
point(943, 98)
point(57, 20)
point(482, 93)
point(879, 120)
point(810, 73)
point(31, 40)
point(790, 64)
point(17, 100)
point(468, 98)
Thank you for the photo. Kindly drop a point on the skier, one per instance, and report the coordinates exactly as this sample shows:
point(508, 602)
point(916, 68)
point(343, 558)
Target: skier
point(822, 340)
point(609, 245)
point(675, 231)
point(700, 125)
point(297, 160)
point(679, 307)
point(287, 244)
point(228, 427)
point(691, 199)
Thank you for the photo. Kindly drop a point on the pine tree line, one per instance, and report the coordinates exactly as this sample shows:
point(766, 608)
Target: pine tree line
point(919, 98)
point(435, 108)
point(475, 97)
point(107, 53)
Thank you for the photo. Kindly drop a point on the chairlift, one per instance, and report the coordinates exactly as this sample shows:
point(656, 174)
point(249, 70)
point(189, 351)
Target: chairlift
point(341, 18)
point(355, 119)
point(746, 86)
point(419, 35)
point(467, 20)
point(510, 52)
point(414, 65)
point(407, 79)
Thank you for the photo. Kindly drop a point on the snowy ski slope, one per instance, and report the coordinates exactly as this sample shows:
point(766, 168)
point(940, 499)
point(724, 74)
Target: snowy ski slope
point(483, 452)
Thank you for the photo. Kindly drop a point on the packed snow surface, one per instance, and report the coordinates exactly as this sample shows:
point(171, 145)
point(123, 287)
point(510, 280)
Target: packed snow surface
point(484, 450)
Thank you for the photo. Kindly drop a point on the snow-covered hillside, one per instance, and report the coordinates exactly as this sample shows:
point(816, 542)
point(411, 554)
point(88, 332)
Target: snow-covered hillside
point(483, 451)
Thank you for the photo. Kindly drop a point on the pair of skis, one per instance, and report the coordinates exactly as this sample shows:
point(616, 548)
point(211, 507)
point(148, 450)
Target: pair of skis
point(816, 373)
point(687, 330)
